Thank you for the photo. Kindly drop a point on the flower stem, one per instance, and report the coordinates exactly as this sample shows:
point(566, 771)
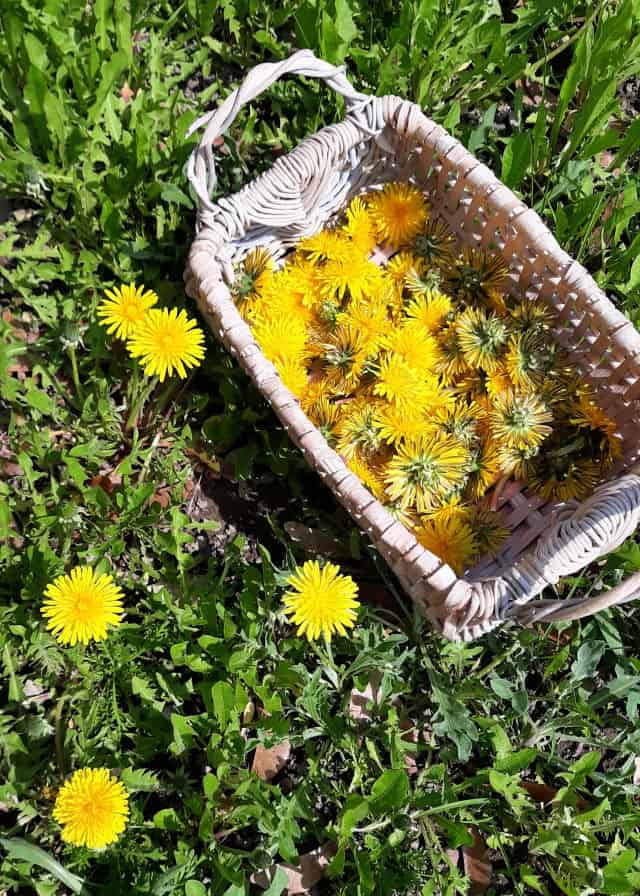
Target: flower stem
point(143, 390)
point(74, 371)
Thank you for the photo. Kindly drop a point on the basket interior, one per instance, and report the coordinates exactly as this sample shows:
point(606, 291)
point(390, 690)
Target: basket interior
point(583, 322)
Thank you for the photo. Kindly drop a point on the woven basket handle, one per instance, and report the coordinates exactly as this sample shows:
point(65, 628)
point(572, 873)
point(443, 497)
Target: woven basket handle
point(201, 168)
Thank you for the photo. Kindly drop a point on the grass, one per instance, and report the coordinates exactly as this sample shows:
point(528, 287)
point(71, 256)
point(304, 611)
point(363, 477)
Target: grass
point(192, 508)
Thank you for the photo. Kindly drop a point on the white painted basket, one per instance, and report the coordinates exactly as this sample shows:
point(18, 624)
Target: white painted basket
point(385, 139)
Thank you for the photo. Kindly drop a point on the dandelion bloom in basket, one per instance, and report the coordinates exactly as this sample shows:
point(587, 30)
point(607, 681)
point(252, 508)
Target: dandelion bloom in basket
point(167, 342)
point(321, 600)
point(81, 606)
point(124, 308)
point(92, 807)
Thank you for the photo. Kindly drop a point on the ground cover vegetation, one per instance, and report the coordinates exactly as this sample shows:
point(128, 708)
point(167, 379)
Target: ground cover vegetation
point(225, 743)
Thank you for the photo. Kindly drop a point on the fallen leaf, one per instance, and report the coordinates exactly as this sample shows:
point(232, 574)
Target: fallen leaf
point(301, 877)
point(126, 93)
point(539, 792)
point(161, 497)
point(11, 469)
point(268, 761)
point(359, 701)
point(108, 481)
point(477, 865)
point(636, 771)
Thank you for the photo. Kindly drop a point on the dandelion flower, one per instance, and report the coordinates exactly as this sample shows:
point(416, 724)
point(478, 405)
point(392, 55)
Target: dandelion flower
point(425, 470)
point(254, 273)
point(481, 337)
point(520, 420)
point(528, 359)
point(82, 605)
point(167, 342)
point(124, 308)
point(435, 243)
point(369, 475)
point(560, 477)
point(402, 264)
point(397, 423)
point(517, 462)
point(281, 338)
point(293, 374)
point(416, 346)
point(352, 275)
point(450, 539)
point(484, 470)
point(369, 318)
point(92, 807)
point(430, 309)
point(359, 227)
point(321, 600)
point(324, 246)
point(344, 357)
point(399, 211)
point(477, 277)
point(325, 414)
point(489, 531)
point(357, 430)
point(398, 382)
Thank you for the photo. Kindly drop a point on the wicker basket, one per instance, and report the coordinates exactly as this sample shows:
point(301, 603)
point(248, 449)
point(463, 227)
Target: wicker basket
point(389, 139)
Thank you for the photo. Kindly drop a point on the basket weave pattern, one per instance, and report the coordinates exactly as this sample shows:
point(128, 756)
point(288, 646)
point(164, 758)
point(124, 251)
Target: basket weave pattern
point(386, 139)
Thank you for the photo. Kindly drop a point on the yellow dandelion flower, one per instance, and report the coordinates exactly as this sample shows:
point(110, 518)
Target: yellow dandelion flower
point(517, 461)
point(451, 509)
point(588, 413)
point(398, 423)
point(478, 277)
point(321, 600)
point(326, 245)
point(435, 243)
point(528, 359)
point(325, 414)
point(558, 478)
point(532, 314)
point(520, 420)
point(498, 382)
point(317, 388)
point(452, 540)
point(397, 381)
point(481, 337)
point(369, 474)
point(352, 275)
point(253, 274)
point(426, 470)
point(454, 362)
point(359, 227)
point(281, 338)
point(489, 531)
point(92, 807)
point(484, 470)
point(345, 354)
point(81, 606)
point(459, 420)
point(124, 308)
point(357, 431)
point(402, 264)
point(416, 346)
point(430, 309)
point(167, 342)
point(369, 318)
point(293, 374)
point(398, 211)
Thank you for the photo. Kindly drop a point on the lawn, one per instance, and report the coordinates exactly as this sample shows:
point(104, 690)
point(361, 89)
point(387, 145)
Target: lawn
point(398, 762)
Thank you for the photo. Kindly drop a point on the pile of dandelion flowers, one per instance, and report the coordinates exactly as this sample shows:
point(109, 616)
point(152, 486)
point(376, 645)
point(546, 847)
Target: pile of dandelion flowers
point(167, 342)
point(92, 807)
point(321, 601)
point(124, 308)
point(80, 607)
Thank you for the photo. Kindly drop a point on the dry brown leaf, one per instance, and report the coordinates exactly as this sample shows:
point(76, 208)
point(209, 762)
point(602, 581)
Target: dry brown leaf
point(268, 761)
point(300, 878)
point(161, 497)
point(359, 701)
point(477, 865)
point(108, 481)
point(126, 93)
